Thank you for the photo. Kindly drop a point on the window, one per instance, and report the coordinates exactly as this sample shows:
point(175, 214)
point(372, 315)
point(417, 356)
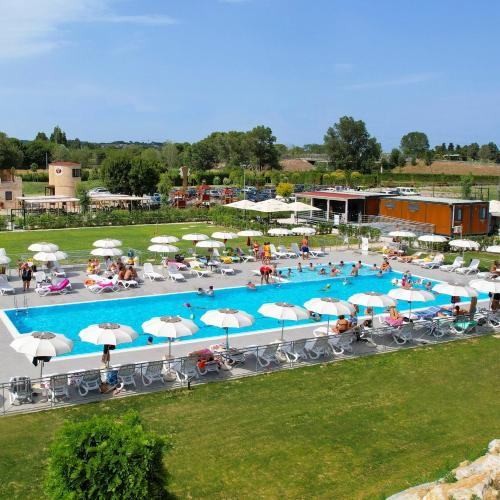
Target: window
point(458, 214)
point(482, 213)
point(413, 207)
point(77, 172)
point(8, 195)
point(389, 204)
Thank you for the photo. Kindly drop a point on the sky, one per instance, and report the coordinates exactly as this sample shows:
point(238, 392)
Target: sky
point(156, 70)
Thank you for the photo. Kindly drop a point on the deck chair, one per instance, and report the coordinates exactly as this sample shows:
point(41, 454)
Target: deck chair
point(283, 250)
point(267, 355)
point(277, 254)
point(318, 347)
point(174, 274)
point(226, 269)
point(210, 367)
point(199, 271)
point(104, 285)
point(5, 286)
point(472, 268)
point(58, 387)
point(187, 369)
point(457, 263)
point(153, 372)
point(126, 375)
point(60, 289)
point(294, 351)
point(342, 342)
point(20, 390)
point(435, 263)
point(90, 381)
point(463, 325)
point(41, 279)
point(57, 271)
point(150, 273)
point(318, 253)
point(403, 335)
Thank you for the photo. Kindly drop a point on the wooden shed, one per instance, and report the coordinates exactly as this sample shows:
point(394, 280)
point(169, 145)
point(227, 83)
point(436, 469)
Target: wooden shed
point(447, 214)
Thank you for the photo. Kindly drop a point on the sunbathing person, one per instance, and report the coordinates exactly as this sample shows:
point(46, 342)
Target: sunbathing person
point(342, 325)
point(394, 318)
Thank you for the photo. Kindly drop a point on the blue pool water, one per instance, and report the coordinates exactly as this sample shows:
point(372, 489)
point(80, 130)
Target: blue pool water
point(69, 319)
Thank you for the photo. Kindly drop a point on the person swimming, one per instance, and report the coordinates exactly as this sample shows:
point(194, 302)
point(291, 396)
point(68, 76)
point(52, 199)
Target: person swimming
point(289, 272)
point(299, 267)
point(200, 291)
point(322, 271)
point(210, 292)
point(251, 286)
point(311, 266)
point(326, 287)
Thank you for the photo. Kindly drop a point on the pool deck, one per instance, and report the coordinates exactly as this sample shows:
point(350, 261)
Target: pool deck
point(14, 364)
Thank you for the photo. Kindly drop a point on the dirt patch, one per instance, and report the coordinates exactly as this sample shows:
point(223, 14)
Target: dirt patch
point(453, 167)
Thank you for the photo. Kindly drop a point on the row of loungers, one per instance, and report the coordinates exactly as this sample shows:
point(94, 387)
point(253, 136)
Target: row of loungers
point(276, 354)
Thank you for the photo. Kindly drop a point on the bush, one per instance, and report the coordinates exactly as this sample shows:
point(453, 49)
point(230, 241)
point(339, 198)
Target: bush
point(106, 458)
point(35, 177)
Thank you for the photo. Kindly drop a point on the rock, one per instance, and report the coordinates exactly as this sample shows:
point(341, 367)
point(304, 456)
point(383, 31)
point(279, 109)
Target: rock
point(487, 463)
point(465, 489)
point(414, 493)
point(494, 447)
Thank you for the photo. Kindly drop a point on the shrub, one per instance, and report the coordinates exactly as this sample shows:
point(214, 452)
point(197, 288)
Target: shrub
point(106, 458)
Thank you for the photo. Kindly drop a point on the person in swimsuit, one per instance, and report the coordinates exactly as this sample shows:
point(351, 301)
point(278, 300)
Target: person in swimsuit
point(26, 276)
point(305, 248)
point(342, 325)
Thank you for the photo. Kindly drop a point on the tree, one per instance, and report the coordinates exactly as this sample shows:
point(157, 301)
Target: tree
point(284, 189)
point(164, 185)
point(83, 195)
point(58, 136)
point(473, 151)
point(170, 155)
point(414, 144)
point(262, 147)
point(34, 168)
point(41, 136)
point(39, 152)
point(350, 146)
point(115, 171)
point(467, 183)
point(143, 177)
point(429, 158)
point(451, 148)
point(202, 155)
point(216, 180)
point(61, 153)
point(11, 154)
point(106, 457)
point(394, 157)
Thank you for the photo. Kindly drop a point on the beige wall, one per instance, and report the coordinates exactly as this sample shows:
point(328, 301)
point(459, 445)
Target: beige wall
point(62, 180)
point(15, 188)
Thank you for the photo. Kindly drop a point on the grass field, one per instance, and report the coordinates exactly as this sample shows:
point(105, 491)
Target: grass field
point(137, 237)
point(361, 428)
point(32, 188)
point(486, 259)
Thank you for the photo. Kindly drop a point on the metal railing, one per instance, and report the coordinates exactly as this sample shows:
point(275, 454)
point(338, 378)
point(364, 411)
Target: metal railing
point(388, 224)
point(24, 394)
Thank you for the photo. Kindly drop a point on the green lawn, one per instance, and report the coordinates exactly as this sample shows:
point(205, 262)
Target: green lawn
point(138, 237)
point(486, 258)
point(357, 429)
point(32, 188)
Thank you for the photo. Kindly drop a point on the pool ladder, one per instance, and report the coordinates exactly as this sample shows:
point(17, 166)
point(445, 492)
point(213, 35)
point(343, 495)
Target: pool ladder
point(18, 307)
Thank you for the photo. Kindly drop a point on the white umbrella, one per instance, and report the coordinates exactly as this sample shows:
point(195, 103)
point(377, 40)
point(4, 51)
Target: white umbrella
point(330, 307)
point(50, 256)
point(194, 237)
point(432, 238)
point(108, 334)
point(163, 248)
point(4, 259)
point(493, 249)
point(221, 235)
point(465, 244)
point(304, 230)
point(402, 234)
point(455, 290)
point(249, 233)
point(41, 345)
point(242, 205)
point(227, 318)
point(271, 206)
point(411, 295)
point(283, 311)
point(486, 285)
point(43, 247)
point(170, 327)
point(279, 231)
point(164, 239)
point(107, 243)
point(298, 206)
point(210, 244)
point(106, 252)
point(372, 299)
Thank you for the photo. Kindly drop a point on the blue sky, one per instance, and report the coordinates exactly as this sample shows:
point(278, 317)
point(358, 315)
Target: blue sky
point(180, 69)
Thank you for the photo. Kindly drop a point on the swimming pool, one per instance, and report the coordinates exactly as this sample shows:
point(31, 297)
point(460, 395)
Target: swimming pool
point(70, 319)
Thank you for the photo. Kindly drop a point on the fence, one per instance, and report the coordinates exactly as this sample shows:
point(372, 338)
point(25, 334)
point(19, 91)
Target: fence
point(388, 224)
point(22, 394)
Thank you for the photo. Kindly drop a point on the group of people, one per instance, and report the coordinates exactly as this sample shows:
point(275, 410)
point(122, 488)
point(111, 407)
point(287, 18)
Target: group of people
point(125, 270)
point(210, 292)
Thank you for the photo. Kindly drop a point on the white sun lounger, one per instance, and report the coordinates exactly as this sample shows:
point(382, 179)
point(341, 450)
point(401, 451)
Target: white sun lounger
point(435, 263)
point(276, 253)
point(226, 269)
point(5, 286)
point(150, 273)
point(20, 390)
point(286, 252)
point(457, 263)
point(174, 274)
point(199, 272)
point(153, 372)
point(472, 268)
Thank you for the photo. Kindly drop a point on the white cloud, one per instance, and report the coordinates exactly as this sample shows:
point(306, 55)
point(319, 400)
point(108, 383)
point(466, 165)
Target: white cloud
point(397, 82)
point(32, 27)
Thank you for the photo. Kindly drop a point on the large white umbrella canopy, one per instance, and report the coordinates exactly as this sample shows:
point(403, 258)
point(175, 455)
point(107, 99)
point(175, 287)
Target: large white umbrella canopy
point(50, 256)
point(107, 243)
point(227, 318)
point(465, 244)
point(194, 237)
point(4, 259)
point(486, 285)
point(42, 344)
point(108, 334)
point(493, 249)
point(283, 311)
point(330, 307)
point(402, 234)
point(455, 290)
point(279, 231)
point(432, 238)
point(163, 248)
point(222, 235)
point(106, 252)
point(372, 299)
point(411, 295)
point(164, 239)
point(170, 327)
point(210, 244)
point(250, 233)
point(43, 247)
point(304, 230)
point(242, 205)
point(271, 206)
point(298, 206)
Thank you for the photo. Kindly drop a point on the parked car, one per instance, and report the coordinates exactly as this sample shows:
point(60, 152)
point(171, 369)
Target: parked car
point(98, 190)
point(407, 191)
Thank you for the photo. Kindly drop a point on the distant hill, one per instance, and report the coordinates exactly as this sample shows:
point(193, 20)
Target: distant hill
point(452, 167)
point(296, 165)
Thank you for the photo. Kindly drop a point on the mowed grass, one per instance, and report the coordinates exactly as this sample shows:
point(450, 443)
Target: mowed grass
point(486, 259)
point(138, 237)
point(361, 428)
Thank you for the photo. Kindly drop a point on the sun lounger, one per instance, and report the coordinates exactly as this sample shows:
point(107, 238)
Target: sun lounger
point(41, 279)
point(226, 269)
point(20, 390)
point(128, 283)
point(296, 250)
point(104, 285)
point(457, 263)
point(187, 369)
point(276, 253)
point(126, 375)
point(5, 286)
point(463, 325)
point(403, 335)
point(153, 372)
point(60, 289)
point(90, 381)
point(427, 313)
point(472, 268)
point(318, 253)
point(200, 272)
point(283, 250)
point(58, 386)
point(318, 347)
point(150, 273)
point(265, 355)
point(342, 342)
point(174, 274)
point(435, 263)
